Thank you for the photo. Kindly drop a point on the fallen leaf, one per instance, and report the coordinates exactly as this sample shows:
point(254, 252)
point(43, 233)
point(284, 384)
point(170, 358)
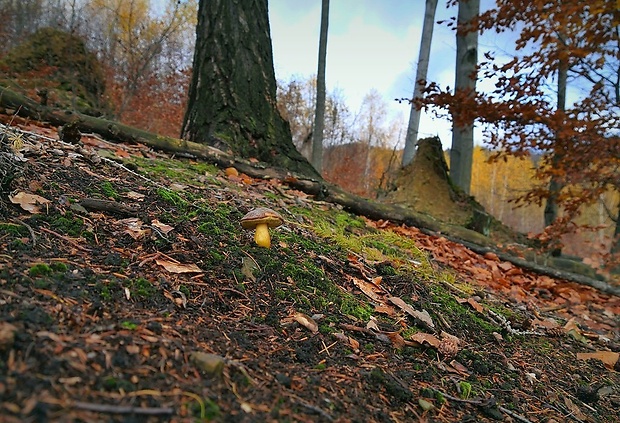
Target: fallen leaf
point(354, 344)
point(575, 411)
point(133, 349)
point(473, 303)
point(211, 364)
point(162, 226)
point(397, 340)
point(29, 202)
point(7, 336)
point(367, 288)
point(248, 266)
point(70, 381)
point(178, 267)
point(427, 338)
point(425, 405)
point(306, 321)
point(134, 195)
point(422, 316)
point(609, 358)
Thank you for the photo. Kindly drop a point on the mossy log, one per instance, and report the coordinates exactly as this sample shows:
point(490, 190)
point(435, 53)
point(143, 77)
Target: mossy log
point(321, 189)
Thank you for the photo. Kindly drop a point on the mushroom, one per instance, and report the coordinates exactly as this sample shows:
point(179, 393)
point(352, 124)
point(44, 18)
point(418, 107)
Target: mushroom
point(261, 219)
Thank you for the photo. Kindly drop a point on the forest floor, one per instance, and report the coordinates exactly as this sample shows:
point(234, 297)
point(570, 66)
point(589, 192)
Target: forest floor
point(131, 293)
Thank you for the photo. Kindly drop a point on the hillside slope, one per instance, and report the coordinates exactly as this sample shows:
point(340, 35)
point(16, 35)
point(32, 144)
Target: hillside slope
point(130, 292)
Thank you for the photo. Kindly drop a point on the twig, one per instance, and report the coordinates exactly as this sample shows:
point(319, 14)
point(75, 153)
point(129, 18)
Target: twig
point(69, 240)
point(123, 409)
point(313, 408)
point(513, 414)
point(481, 402)
point(32, 234)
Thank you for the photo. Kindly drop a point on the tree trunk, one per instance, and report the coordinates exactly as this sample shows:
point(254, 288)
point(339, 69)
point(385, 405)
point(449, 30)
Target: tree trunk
point(461, 153)
point(411, 138)
point(319, 115)
point(555, 185)
point(615, 242)
point(232, 95)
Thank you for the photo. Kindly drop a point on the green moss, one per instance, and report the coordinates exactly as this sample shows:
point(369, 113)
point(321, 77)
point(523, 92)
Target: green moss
point(129, 325)
point(104, 291)
point(141, 288)
point(108, 190)
point(465, 389)
point(17, 245)
point(58, 266)
point(172, 197)
point(13, 229)
point(40, 269)
point(42, 283)
point(112, 383)
point(180, 171)
point(185, 290)
point(68, 224)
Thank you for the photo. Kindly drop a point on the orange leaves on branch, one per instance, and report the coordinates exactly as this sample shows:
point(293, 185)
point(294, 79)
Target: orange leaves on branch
point(521, 113)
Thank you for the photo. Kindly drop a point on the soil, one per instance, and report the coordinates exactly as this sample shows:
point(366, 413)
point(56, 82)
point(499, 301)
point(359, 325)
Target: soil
point(130, 292)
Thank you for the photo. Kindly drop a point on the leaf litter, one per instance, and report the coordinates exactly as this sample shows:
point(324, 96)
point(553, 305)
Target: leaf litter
point(174, 313)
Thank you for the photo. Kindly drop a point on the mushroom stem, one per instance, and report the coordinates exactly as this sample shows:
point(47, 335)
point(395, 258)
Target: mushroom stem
point(262, 235)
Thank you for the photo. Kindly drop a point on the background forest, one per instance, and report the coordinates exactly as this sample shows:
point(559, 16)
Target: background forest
point(144, 54)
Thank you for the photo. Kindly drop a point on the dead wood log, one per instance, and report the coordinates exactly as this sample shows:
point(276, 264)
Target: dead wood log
point(321, 189)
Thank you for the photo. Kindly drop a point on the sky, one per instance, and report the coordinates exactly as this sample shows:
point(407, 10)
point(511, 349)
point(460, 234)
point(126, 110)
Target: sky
point(371, 44)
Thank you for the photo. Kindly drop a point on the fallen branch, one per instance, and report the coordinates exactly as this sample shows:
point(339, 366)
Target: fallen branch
point(321, 189)
point(64, 238)
point(123, 409)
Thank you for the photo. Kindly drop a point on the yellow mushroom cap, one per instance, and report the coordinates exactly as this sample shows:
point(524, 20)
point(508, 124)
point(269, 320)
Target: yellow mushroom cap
point(261, 215)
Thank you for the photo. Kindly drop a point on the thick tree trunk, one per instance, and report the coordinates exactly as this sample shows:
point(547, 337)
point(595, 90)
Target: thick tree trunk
point(232, 96)
point(462, 151)
point(411, 138)
point(319, 114)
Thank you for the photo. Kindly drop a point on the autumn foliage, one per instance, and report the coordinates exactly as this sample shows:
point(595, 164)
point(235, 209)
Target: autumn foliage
point(578, 145)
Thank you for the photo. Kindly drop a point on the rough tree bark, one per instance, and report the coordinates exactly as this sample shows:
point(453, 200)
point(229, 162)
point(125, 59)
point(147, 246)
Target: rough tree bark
point(411, 138)
point(232, 95)
point(319, 114)
point(461, 153)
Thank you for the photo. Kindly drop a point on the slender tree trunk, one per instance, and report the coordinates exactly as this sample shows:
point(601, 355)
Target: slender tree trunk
point(461, 153)
point(319, 115)
point(232, 95)
point(555, 185)
point(423, 59)
point(615, 242)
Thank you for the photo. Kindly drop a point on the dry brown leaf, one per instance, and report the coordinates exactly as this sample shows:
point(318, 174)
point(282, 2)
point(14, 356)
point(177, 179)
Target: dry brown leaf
point(133, 349)
point(178, 267)
point(133, 228)
point(29, 202)
point(422, 316)
point(367, 288)
point(575, 411)
point(306, 321)
point(426, 338)
point(397, 340)
point(473, 303)
point(609, 358)
point(385, 309)
point(162, 226)
point(354, 343)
